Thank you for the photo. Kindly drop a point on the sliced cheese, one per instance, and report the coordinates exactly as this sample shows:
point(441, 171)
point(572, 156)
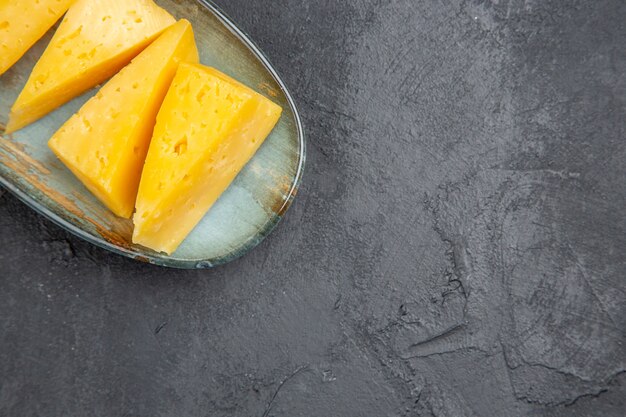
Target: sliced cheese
point(106, 142)
point(208, 129)
point(94, 41)
point(24, 22)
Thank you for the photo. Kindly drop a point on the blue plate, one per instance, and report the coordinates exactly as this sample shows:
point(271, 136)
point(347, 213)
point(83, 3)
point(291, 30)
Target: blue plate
point(245, 214)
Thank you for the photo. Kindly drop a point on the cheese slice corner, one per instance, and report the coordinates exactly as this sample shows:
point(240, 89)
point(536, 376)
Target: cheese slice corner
point(207, 130)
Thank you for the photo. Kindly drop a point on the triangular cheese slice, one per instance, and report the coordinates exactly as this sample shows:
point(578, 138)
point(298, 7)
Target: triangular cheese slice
point(22, 23)
point(94, 41)
point(207, 130)
point(106, 142)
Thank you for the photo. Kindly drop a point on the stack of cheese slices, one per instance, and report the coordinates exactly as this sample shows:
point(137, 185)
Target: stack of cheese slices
point(164, 137)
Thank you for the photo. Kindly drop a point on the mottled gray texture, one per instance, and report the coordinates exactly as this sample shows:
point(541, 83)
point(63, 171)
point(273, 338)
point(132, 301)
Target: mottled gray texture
point(457, 248)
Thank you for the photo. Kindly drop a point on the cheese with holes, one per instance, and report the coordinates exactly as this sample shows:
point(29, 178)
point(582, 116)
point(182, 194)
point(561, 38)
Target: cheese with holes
point(24, 22)
point(208, 129)
point(94, 41)
point(106, 142)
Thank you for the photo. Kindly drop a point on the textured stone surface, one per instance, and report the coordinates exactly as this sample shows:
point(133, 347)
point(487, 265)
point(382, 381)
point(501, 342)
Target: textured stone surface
point(458, 247)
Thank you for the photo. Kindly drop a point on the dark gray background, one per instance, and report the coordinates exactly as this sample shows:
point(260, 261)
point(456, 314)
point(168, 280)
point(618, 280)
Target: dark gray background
point(458, 246)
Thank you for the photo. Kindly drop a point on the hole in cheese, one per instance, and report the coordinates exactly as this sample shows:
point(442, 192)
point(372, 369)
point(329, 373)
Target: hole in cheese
point(181, 147)
point(40, 81)
point(87, 124)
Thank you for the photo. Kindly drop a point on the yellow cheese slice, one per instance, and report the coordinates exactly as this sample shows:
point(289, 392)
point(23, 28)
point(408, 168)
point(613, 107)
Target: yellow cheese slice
point(24, 22)
point(94, 41)
point(106, 142)
point(207, 130)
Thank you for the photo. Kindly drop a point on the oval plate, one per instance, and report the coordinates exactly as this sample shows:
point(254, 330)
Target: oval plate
point(244, 215)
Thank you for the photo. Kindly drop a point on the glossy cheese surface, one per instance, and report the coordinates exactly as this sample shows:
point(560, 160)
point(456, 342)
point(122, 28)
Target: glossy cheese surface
point(24, 22)
point(106, 142)
point(94, 41)
point(208, 129)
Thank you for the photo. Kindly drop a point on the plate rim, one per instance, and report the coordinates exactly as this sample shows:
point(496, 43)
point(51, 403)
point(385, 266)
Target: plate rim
point(236, 253)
